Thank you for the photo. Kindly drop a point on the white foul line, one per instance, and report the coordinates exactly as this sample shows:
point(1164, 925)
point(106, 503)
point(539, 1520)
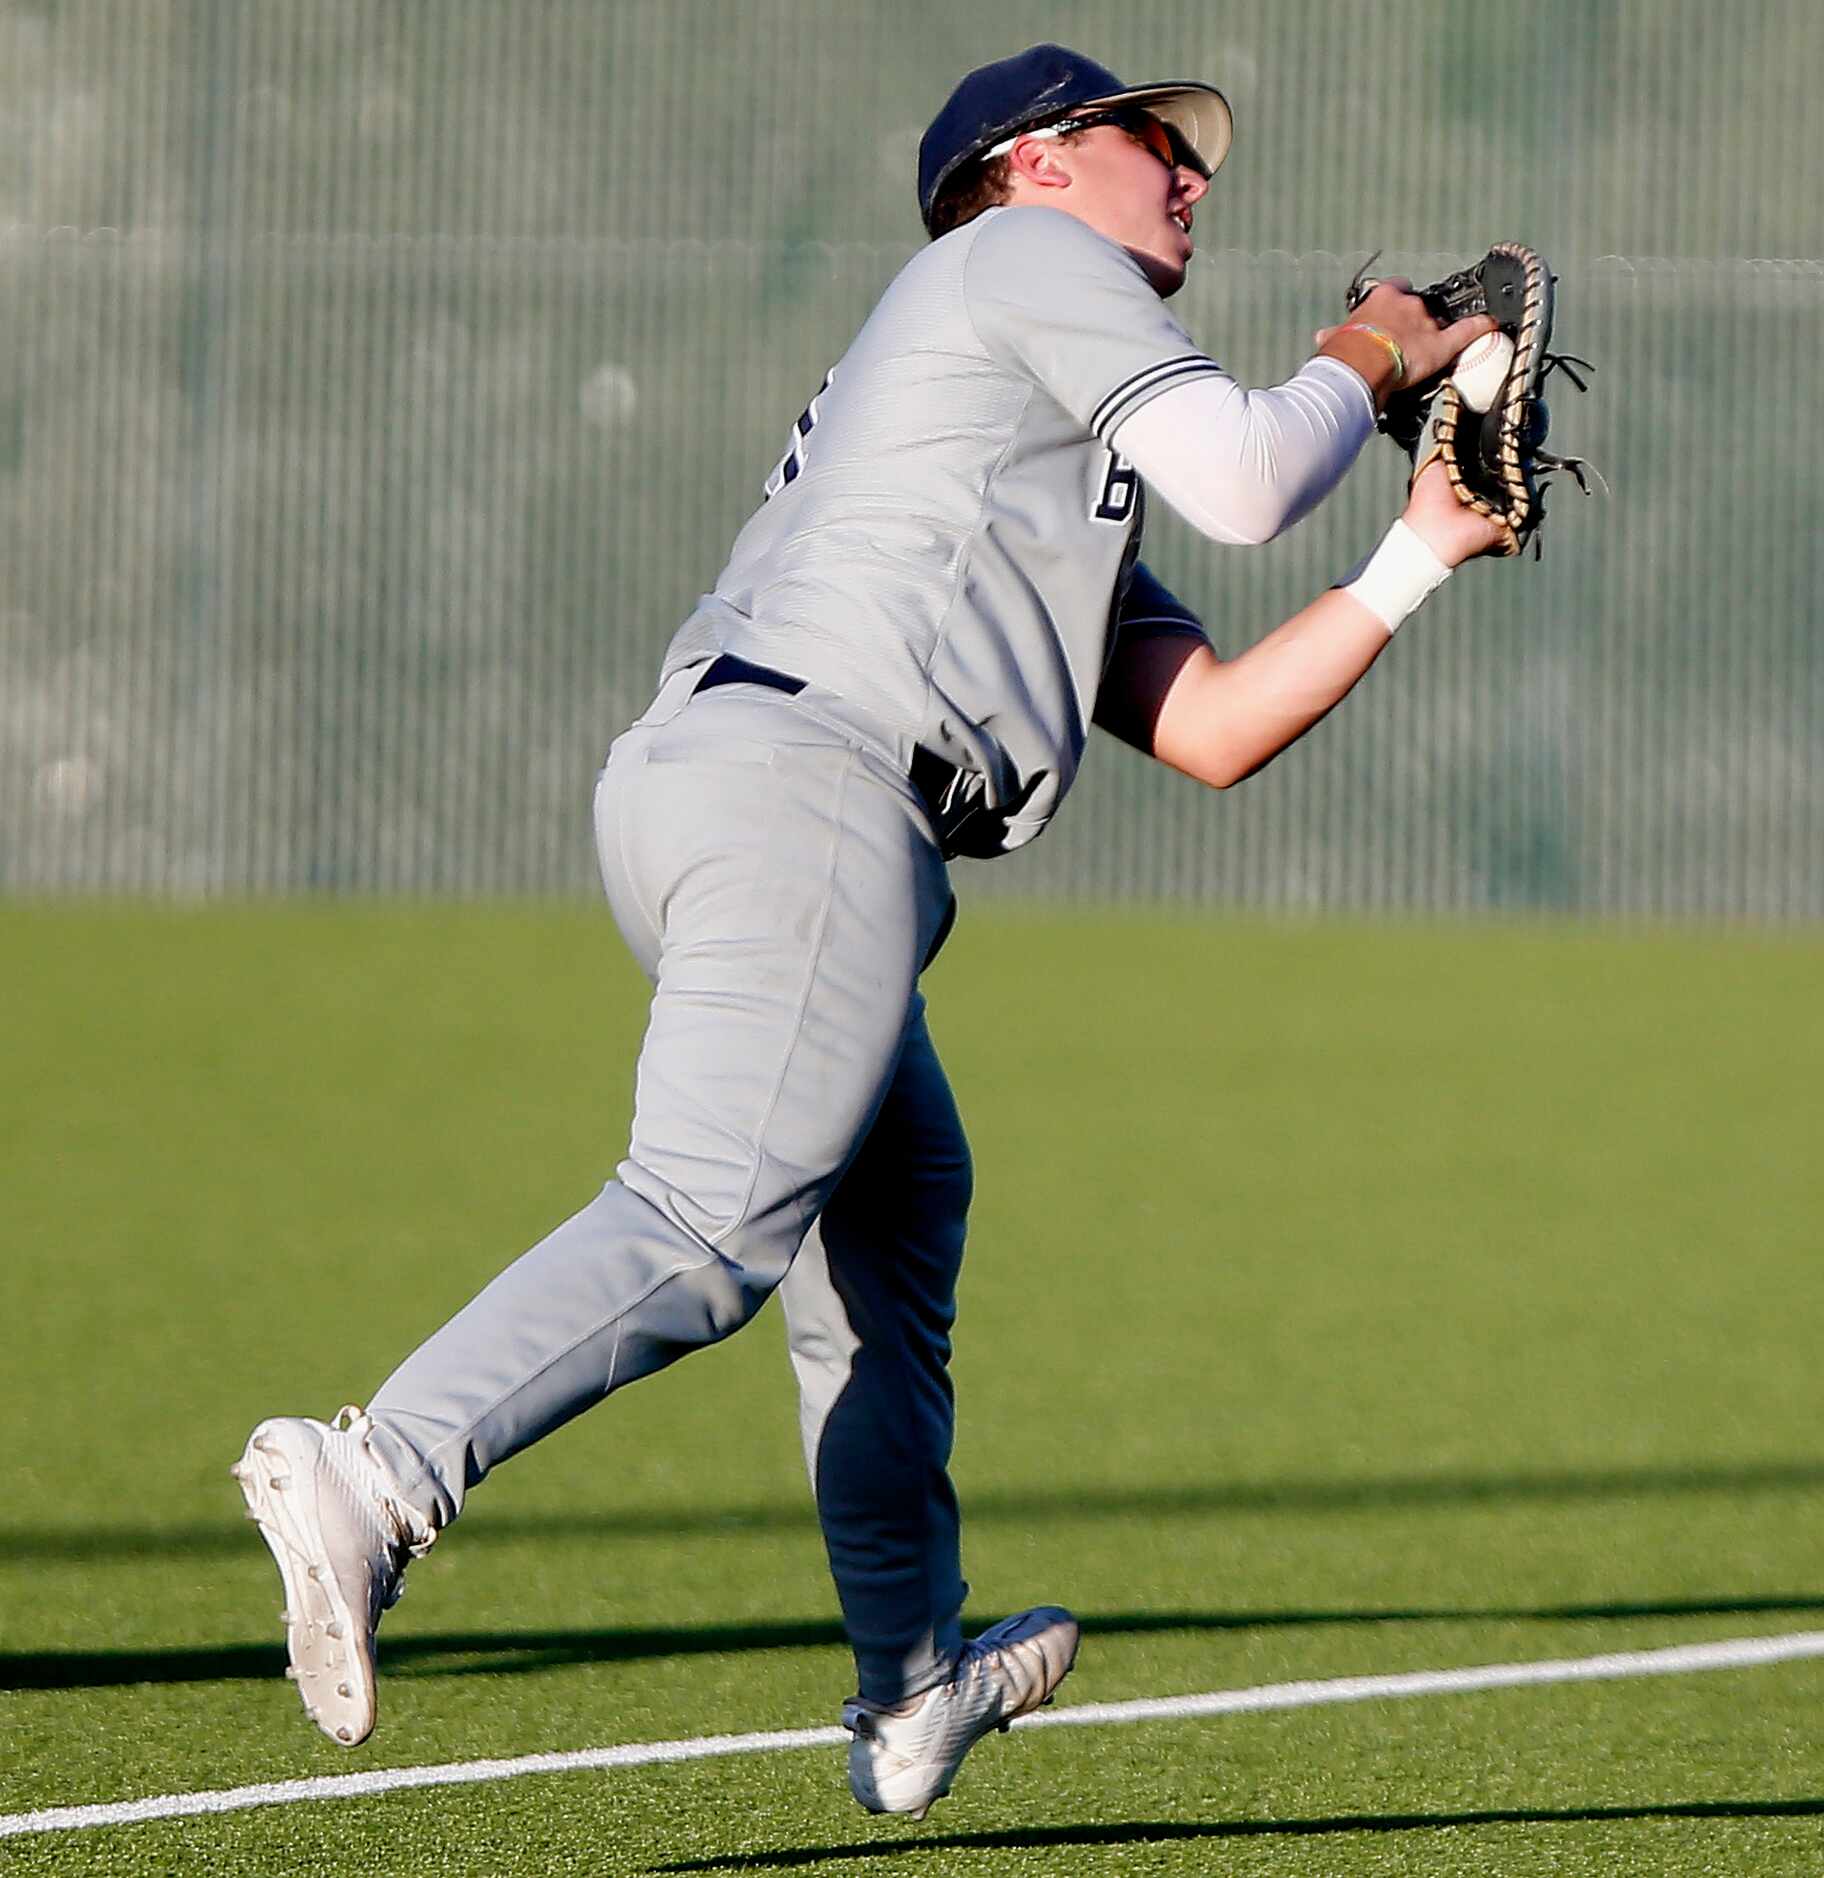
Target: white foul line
point(1680, 1660)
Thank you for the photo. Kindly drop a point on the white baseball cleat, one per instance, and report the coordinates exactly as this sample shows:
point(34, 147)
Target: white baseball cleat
point(329, 1511)
point(903, 1758)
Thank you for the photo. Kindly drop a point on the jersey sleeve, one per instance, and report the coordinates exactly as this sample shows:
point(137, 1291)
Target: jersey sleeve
point(1052, 299)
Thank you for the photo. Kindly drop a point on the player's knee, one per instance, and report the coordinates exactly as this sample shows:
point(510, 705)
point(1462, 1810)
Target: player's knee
point(727, 1294)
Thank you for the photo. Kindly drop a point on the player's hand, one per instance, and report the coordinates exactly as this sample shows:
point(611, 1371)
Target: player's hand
point(1405, 318)
point(1453, 532)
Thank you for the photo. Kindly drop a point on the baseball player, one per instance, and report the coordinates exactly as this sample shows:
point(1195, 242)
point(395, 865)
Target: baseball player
point(900, 662)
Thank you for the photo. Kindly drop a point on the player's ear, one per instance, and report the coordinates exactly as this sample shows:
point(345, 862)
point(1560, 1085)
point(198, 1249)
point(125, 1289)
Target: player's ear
point(1035, 160)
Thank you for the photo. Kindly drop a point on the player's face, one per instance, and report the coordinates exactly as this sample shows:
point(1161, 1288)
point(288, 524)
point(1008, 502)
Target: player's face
point(1127, 185)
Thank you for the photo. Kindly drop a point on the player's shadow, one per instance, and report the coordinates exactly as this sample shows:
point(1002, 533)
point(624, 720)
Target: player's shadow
point(525, 1652)
point(1159, 1832)
point(987, 1507)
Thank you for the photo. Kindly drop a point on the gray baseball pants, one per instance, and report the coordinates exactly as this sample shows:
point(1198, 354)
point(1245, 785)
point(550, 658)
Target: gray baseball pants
point(793, 1130)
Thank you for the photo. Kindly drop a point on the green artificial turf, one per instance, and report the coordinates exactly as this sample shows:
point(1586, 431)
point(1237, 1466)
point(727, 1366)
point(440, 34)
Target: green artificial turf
point(1342, 1299)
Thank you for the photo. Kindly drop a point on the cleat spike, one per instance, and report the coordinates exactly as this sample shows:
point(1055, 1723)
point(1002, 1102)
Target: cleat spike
point(291, 1674)
point(333, 1631)
point(345, 1692)
point(344, 1735)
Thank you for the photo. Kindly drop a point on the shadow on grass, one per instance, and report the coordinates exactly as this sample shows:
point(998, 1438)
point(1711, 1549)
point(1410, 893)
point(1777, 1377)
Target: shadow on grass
point(524, 1652)
point(1154, 1832)
point(54, 1545)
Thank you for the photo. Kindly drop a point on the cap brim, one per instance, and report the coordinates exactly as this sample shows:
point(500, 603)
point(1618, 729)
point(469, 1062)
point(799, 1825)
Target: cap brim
point(1198, 113)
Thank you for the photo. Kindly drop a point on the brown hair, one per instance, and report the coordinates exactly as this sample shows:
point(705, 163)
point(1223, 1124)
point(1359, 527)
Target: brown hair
point(980, 186)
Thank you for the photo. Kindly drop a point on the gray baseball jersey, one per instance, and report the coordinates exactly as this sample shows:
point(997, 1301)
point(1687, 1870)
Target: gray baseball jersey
point(946, 558)
point(945, 544)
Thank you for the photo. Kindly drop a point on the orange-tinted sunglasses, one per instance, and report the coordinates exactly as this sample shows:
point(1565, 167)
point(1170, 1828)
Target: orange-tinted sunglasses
point(1145, 129)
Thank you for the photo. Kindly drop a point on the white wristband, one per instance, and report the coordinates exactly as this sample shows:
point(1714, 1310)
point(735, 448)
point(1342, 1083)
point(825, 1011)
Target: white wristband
point(1396, 577)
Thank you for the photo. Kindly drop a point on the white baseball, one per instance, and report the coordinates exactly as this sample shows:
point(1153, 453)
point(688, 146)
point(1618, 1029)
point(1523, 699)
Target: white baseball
point(1481, 369)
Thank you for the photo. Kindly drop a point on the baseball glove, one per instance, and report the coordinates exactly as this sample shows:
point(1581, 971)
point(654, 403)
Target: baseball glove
point(1492, 444)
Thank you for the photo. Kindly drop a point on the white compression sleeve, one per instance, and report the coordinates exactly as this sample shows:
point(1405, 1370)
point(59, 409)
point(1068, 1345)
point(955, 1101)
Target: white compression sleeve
point(1240, 466)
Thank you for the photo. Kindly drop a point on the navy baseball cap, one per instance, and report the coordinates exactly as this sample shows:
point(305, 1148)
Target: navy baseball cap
point(1039, 86)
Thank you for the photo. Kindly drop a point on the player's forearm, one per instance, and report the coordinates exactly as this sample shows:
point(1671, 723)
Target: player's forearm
point(1370, 353)
point(1225, 719)
point(1220, 722)
point(1242, 466)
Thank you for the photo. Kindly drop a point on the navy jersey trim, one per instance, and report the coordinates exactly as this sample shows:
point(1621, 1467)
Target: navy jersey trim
point(1120, 401)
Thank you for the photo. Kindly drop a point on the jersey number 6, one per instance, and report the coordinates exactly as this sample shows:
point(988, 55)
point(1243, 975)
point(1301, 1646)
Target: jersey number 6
point(1119, 487)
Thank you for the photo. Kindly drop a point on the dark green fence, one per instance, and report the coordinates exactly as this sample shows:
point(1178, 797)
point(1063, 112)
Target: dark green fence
point(382, 381)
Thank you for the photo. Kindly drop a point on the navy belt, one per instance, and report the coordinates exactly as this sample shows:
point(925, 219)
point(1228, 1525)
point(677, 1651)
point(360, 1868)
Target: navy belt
point(930, 775)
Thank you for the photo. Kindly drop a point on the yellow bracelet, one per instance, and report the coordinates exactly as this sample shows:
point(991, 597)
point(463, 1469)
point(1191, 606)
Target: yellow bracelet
point(1387, 339)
